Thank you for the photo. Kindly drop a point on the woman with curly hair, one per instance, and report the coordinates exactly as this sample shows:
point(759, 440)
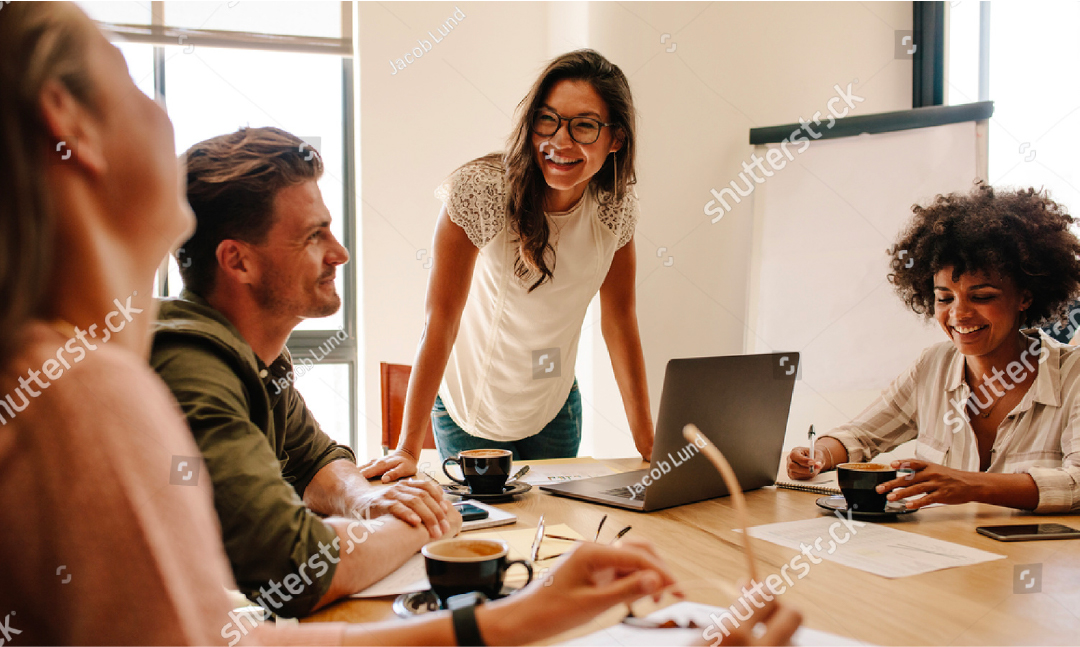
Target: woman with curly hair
point(995, 410)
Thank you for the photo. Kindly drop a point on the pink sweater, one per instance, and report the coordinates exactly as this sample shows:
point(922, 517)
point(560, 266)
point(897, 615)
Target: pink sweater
point(102, 541)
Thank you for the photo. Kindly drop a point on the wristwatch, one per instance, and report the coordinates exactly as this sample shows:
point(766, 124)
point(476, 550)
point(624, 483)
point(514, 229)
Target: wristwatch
point(463, 614)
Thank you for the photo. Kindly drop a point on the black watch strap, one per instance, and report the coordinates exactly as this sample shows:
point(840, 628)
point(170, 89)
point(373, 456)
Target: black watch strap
point(466, 630)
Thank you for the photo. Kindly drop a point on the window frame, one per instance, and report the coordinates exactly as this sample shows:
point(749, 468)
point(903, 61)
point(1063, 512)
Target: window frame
point(158, 34)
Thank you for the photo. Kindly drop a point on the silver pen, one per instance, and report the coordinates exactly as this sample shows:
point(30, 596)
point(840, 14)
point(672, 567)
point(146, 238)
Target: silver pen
point(535, 553)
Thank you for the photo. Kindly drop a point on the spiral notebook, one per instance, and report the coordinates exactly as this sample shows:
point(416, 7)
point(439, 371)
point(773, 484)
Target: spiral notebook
point(821, 484)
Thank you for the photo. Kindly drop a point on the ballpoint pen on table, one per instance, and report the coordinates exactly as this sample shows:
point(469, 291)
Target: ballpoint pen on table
point(562, 537)
point(535, 553)
point(812, 436)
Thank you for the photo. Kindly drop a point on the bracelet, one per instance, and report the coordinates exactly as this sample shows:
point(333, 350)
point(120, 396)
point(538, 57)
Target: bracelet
point(463, 615)
point(832, 461)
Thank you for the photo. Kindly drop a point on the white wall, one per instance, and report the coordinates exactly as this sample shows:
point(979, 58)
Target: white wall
point(822, 228)
point(734, 66)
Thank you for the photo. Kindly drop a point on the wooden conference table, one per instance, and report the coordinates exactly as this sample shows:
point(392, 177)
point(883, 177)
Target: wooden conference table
point(970, 605)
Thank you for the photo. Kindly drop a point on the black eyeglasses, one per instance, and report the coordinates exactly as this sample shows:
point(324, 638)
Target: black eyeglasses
point(583, 130)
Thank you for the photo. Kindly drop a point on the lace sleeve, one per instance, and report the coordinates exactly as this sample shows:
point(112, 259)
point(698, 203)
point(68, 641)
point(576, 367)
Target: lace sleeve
point(620, 217)
point(474, 197)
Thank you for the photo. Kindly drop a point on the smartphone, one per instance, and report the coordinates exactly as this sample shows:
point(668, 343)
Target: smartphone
point(1028, 532)
point(469, 512)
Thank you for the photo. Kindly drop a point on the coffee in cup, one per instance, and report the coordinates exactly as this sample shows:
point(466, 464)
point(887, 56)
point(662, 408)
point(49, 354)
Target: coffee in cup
point(462, 565)
point(485, 470)
point(858, 483)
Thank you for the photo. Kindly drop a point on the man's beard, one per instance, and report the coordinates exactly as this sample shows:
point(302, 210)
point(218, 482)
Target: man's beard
point(273, 300)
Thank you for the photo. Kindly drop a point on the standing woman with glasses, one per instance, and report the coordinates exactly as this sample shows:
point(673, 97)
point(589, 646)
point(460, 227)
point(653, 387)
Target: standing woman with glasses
point(524, 241)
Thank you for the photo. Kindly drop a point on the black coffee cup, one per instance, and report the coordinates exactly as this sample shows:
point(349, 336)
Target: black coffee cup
point(858, 482)
point(462, 565)
point(485, 470)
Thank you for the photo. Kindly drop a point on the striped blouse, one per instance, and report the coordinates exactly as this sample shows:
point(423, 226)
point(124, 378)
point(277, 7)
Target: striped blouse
point(1040, 436)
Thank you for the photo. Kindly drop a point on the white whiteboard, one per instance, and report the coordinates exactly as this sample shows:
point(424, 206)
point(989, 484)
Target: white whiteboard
point(822, 227)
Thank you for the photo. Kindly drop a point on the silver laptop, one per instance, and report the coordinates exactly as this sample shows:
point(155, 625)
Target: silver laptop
point(739, 402)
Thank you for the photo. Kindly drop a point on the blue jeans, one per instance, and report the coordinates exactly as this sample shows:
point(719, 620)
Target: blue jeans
point(560, 438)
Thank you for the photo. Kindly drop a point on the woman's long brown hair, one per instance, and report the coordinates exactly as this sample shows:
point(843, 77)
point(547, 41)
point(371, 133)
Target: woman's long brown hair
point(39, 41)
point(525, 184)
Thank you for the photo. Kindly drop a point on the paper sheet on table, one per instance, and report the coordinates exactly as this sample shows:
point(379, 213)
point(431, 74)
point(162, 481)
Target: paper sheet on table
point(521, 545)
point(413, 577)
point(547, 472)
point(410, 577)
point(880, 550)
point(682, 612)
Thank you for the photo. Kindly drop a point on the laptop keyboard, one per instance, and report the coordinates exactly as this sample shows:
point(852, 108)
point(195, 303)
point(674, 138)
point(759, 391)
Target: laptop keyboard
point(622, 492)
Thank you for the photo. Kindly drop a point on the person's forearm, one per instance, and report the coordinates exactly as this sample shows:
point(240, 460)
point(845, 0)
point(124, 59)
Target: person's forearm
point(833, 451)
point(428, 629)
point(1007, 490)
point(337, 489)
point(628, 364)
point(435, 346)
point(499, 622)
point(369, 551)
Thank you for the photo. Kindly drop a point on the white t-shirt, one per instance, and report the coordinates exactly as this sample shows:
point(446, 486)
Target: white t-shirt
point(512, 365)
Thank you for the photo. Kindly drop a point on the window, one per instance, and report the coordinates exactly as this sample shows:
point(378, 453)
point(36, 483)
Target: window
point(220, 66)
point(1029, 48)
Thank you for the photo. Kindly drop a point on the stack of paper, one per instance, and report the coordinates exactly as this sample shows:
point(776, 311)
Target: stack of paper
point(880, 550)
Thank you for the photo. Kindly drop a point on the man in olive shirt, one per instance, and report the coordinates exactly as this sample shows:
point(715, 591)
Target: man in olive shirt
point(262, 259)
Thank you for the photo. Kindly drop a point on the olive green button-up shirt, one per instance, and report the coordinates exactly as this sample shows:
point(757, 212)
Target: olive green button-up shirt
point(261, 446)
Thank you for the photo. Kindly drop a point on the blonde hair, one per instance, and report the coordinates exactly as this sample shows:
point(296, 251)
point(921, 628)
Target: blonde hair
point(39, 42)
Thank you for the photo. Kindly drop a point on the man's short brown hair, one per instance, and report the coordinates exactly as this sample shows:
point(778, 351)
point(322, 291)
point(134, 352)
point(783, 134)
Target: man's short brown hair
point(232, 181)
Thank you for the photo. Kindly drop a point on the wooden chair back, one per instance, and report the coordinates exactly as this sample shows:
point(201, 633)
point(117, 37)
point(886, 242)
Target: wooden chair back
point(394, 382)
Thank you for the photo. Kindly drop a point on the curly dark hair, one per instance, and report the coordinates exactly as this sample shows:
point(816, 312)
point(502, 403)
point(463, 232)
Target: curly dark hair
point(1020, 234)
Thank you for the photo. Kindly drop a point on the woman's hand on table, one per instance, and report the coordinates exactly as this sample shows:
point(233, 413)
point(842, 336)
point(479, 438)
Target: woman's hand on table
point(940, 484)
point(800, 466)
point(828, 453)
point(395, 465)
point(643, 441)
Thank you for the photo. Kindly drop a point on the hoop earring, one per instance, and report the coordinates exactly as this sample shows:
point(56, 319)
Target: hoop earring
point(615, 173)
